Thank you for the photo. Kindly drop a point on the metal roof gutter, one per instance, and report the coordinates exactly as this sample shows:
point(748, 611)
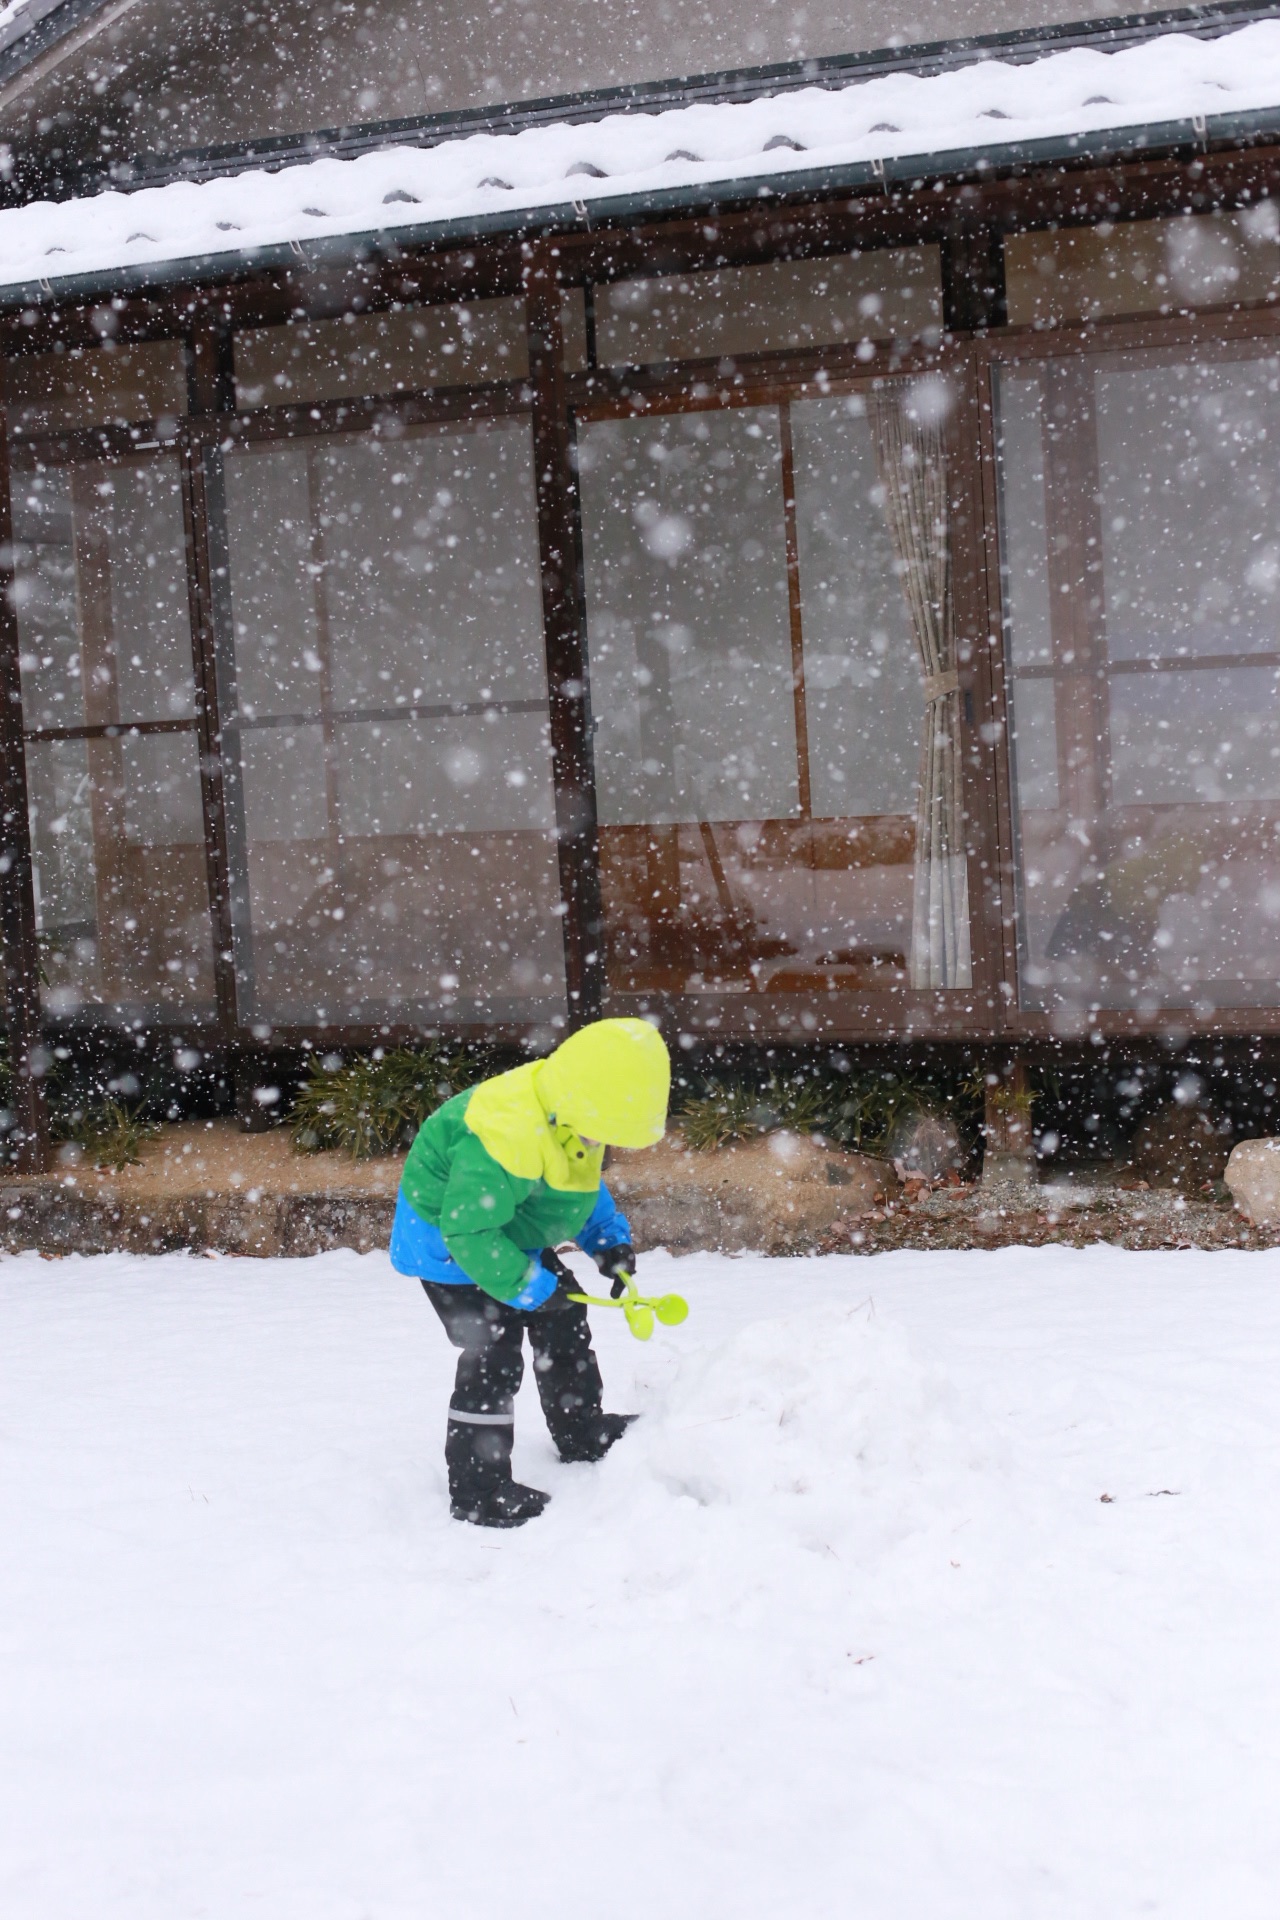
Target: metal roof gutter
point(864, 177)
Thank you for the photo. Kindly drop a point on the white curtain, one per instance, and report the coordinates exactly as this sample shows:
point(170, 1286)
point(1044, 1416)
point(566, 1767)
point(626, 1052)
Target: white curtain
point(912, 465)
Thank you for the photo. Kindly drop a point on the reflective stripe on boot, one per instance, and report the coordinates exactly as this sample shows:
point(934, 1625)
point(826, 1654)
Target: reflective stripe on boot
point(477, 1451)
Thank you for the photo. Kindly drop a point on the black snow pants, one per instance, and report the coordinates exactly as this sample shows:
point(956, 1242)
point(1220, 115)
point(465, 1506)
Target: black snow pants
point(490, 1339)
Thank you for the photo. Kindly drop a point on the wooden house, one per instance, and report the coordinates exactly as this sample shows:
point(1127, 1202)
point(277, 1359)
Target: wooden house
point(494, 532)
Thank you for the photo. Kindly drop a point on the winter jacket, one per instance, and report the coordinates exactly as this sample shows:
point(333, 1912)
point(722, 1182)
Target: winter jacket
point(505, 1169)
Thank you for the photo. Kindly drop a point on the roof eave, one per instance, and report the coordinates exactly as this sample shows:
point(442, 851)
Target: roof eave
point(1112, 146)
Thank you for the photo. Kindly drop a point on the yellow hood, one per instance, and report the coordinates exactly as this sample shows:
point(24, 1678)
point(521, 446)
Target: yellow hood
point(609, 1082)
point(508, 1118)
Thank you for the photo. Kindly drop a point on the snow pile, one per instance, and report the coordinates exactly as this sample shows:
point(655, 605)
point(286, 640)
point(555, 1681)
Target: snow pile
point(896, 119)
point(797, 1428)
point(768, 1471)
point(845, 1625)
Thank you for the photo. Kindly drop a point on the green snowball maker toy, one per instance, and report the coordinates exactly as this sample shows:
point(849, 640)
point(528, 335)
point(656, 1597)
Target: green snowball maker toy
point(641, 1313)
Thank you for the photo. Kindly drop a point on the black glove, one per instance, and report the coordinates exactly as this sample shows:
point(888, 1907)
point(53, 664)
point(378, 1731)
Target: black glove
point(613, 1263)
point(554, 1264)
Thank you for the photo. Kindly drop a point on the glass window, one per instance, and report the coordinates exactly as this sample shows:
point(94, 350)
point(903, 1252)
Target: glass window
point(1141, 574)
point(383, 680)
point(122, 903)
point(895, 294)
point(691, 634)
point(411, 350)
point(862, 670)
point(102, 593)
point(45, 392)
point(573, 319)
point(113, 770)
point(761, 699)
point(1144, 266)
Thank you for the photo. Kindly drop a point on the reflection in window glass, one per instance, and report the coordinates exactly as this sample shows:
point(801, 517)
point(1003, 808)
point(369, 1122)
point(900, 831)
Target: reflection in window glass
point(1144, 266)
point(691, 641)
point(384, 691)
point(408, 351)
point(1142, 568)
point(573, 323)
point(101, 588)
point(862, 669)
point(894, 294)
point(760, 702)
point(96, 387)
point(105, 650)
point(122, 901)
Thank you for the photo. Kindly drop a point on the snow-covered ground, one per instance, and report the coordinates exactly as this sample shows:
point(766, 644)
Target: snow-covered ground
point(845, 1627)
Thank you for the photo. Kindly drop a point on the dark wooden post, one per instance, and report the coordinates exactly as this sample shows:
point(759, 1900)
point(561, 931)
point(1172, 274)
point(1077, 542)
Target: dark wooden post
point(21, 958)
point(973, 294)
point(210, 390)
point(973, 300)
point(564, 619)
point(211, 386)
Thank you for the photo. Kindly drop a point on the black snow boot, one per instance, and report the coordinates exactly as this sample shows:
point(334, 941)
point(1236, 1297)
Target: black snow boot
point(508, 1506)
point(568, 1377)
point(477, 1452)
point(592, 1438)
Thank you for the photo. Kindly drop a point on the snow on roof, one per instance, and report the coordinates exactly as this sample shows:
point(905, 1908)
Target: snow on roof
point(18, 17)
point(10, 11)
point(489, 180)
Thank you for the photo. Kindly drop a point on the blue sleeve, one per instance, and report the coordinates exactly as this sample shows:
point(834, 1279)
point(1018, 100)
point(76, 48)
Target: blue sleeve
point(606, 1228)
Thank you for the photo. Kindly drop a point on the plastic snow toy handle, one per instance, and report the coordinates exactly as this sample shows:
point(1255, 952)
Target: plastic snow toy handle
point(639, 1319)
point(640, 1312)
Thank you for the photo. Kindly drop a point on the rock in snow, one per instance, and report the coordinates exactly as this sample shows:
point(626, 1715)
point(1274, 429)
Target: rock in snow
point(1253, 1175)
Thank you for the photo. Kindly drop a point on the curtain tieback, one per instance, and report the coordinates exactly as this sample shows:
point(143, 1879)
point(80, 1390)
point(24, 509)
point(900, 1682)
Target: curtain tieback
point(938, 685)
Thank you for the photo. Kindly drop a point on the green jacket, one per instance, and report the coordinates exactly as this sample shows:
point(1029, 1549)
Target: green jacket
point(514, 1165)
point(489, 1217)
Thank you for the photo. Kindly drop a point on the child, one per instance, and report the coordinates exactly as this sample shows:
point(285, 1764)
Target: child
point(496, 1177)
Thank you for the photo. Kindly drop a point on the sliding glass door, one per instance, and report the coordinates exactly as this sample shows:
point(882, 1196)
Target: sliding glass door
point(109, 694)
point(775, 697)
point(1139, 502)
point(383, 686)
